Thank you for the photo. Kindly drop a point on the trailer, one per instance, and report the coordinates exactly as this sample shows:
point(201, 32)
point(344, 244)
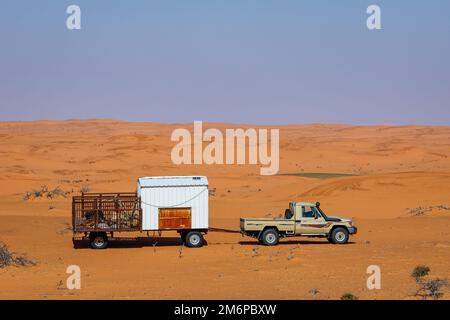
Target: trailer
point(177, 203)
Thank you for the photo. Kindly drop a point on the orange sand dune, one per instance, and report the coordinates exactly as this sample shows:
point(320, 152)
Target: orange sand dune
point(398, 195)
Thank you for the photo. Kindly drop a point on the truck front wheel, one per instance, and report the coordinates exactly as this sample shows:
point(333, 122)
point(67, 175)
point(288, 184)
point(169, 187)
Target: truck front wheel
point(339, 236)
point(270, 237)
point(98, 240)
point(193, 239)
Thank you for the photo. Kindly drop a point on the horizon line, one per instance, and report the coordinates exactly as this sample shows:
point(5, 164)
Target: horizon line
point(224, 123)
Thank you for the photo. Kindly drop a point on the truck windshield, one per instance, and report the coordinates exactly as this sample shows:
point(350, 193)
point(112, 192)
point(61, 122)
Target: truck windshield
point(316, 212)
point(322, 213)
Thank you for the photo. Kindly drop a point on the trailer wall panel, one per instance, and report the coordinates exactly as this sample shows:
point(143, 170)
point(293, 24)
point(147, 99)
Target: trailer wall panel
point(173, 192)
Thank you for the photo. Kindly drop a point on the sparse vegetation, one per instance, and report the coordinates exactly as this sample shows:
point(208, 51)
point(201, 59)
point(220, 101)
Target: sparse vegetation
point(319, 175)
point(8, 258)
point(44, 191)
point(314, 292)
point(428, 288)
point(85, 188)
point(420, 211)
point(57, 192)
point(420, 271)
point(349, 296)
point(432, 288)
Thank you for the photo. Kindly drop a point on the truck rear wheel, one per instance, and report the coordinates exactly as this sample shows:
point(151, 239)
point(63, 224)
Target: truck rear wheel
point(193, 239)
point(339, 236)
point(98, 240)
point(270, 237)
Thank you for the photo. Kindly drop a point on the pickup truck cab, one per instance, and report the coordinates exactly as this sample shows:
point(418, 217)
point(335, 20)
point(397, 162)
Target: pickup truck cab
point(301, 219)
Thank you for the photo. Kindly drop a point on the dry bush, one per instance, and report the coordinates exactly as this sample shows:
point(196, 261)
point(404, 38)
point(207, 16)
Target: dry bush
point(428, 288)
point(314, 292)
point(349, 296)
point(57, 192)
point(45, 191)
point(420, 211)
point(420, 271)
point(8, 258)
point(27, 196)
point(85, 188)
point(433, 288)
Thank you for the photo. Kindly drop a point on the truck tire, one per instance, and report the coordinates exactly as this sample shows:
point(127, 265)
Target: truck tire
point(339, 236)
point(270, 237)
point(193, 239)
point(98, 240)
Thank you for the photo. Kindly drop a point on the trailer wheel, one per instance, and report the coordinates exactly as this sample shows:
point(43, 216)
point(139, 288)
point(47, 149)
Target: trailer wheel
point(193, 239)
point(98, 240)
point(270, 237)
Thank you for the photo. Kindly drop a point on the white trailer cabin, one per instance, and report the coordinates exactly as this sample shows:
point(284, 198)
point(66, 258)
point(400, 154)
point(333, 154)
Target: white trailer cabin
point(174, 203)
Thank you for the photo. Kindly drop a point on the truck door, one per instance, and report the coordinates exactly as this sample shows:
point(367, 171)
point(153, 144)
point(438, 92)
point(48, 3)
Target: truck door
point(310, 221)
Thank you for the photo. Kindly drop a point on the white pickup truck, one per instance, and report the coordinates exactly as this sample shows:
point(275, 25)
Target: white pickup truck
point(301, 219)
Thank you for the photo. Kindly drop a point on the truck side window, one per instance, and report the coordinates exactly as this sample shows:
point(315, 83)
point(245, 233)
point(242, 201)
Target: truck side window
point(308, 212)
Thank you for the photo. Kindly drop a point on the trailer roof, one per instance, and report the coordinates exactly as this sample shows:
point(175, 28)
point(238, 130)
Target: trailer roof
point(173, 181)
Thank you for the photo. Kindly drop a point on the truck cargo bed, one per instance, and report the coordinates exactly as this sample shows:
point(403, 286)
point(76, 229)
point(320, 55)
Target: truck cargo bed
point(106, 212)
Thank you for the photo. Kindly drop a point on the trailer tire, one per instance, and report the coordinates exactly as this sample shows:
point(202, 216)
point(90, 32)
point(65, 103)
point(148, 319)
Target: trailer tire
point(98, 240)
point(339, 235)
point(193, 239)
point(270, 237)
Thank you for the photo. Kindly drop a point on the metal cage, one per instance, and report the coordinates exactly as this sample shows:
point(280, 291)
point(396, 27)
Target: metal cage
point(106, 212)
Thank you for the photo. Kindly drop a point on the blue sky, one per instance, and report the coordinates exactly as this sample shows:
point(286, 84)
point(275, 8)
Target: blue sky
point(241, 61)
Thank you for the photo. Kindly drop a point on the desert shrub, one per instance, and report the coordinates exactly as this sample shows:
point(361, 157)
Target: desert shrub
point(420, 211)
point(7, 258)
point(433, 288)
point(349, 296)
point(420, 272)
point(428, 288)
point(85, 188)
point(27, 195)
point(56, 193)
point(38, 193)
point(314, 292)
point(44, 191)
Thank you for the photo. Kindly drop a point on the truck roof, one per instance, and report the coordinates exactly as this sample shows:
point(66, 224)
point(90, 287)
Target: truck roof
point(310, 204)
point(172, 181)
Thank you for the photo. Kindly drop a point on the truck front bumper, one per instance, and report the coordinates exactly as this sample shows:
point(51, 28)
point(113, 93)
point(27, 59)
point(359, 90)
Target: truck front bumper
point(352, 230)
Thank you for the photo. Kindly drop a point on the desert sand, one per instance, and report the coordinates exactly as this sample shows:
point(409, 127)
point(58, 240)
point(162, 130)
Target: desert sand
point(398, 195)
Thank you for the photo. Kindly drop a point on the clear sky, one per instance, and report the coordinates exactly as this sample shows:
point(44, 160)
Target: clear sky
point(241, 61)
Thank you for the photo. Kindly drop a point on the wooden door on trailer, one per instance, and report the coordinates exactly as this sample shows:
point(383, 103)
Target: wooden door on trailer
point(174, 218)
